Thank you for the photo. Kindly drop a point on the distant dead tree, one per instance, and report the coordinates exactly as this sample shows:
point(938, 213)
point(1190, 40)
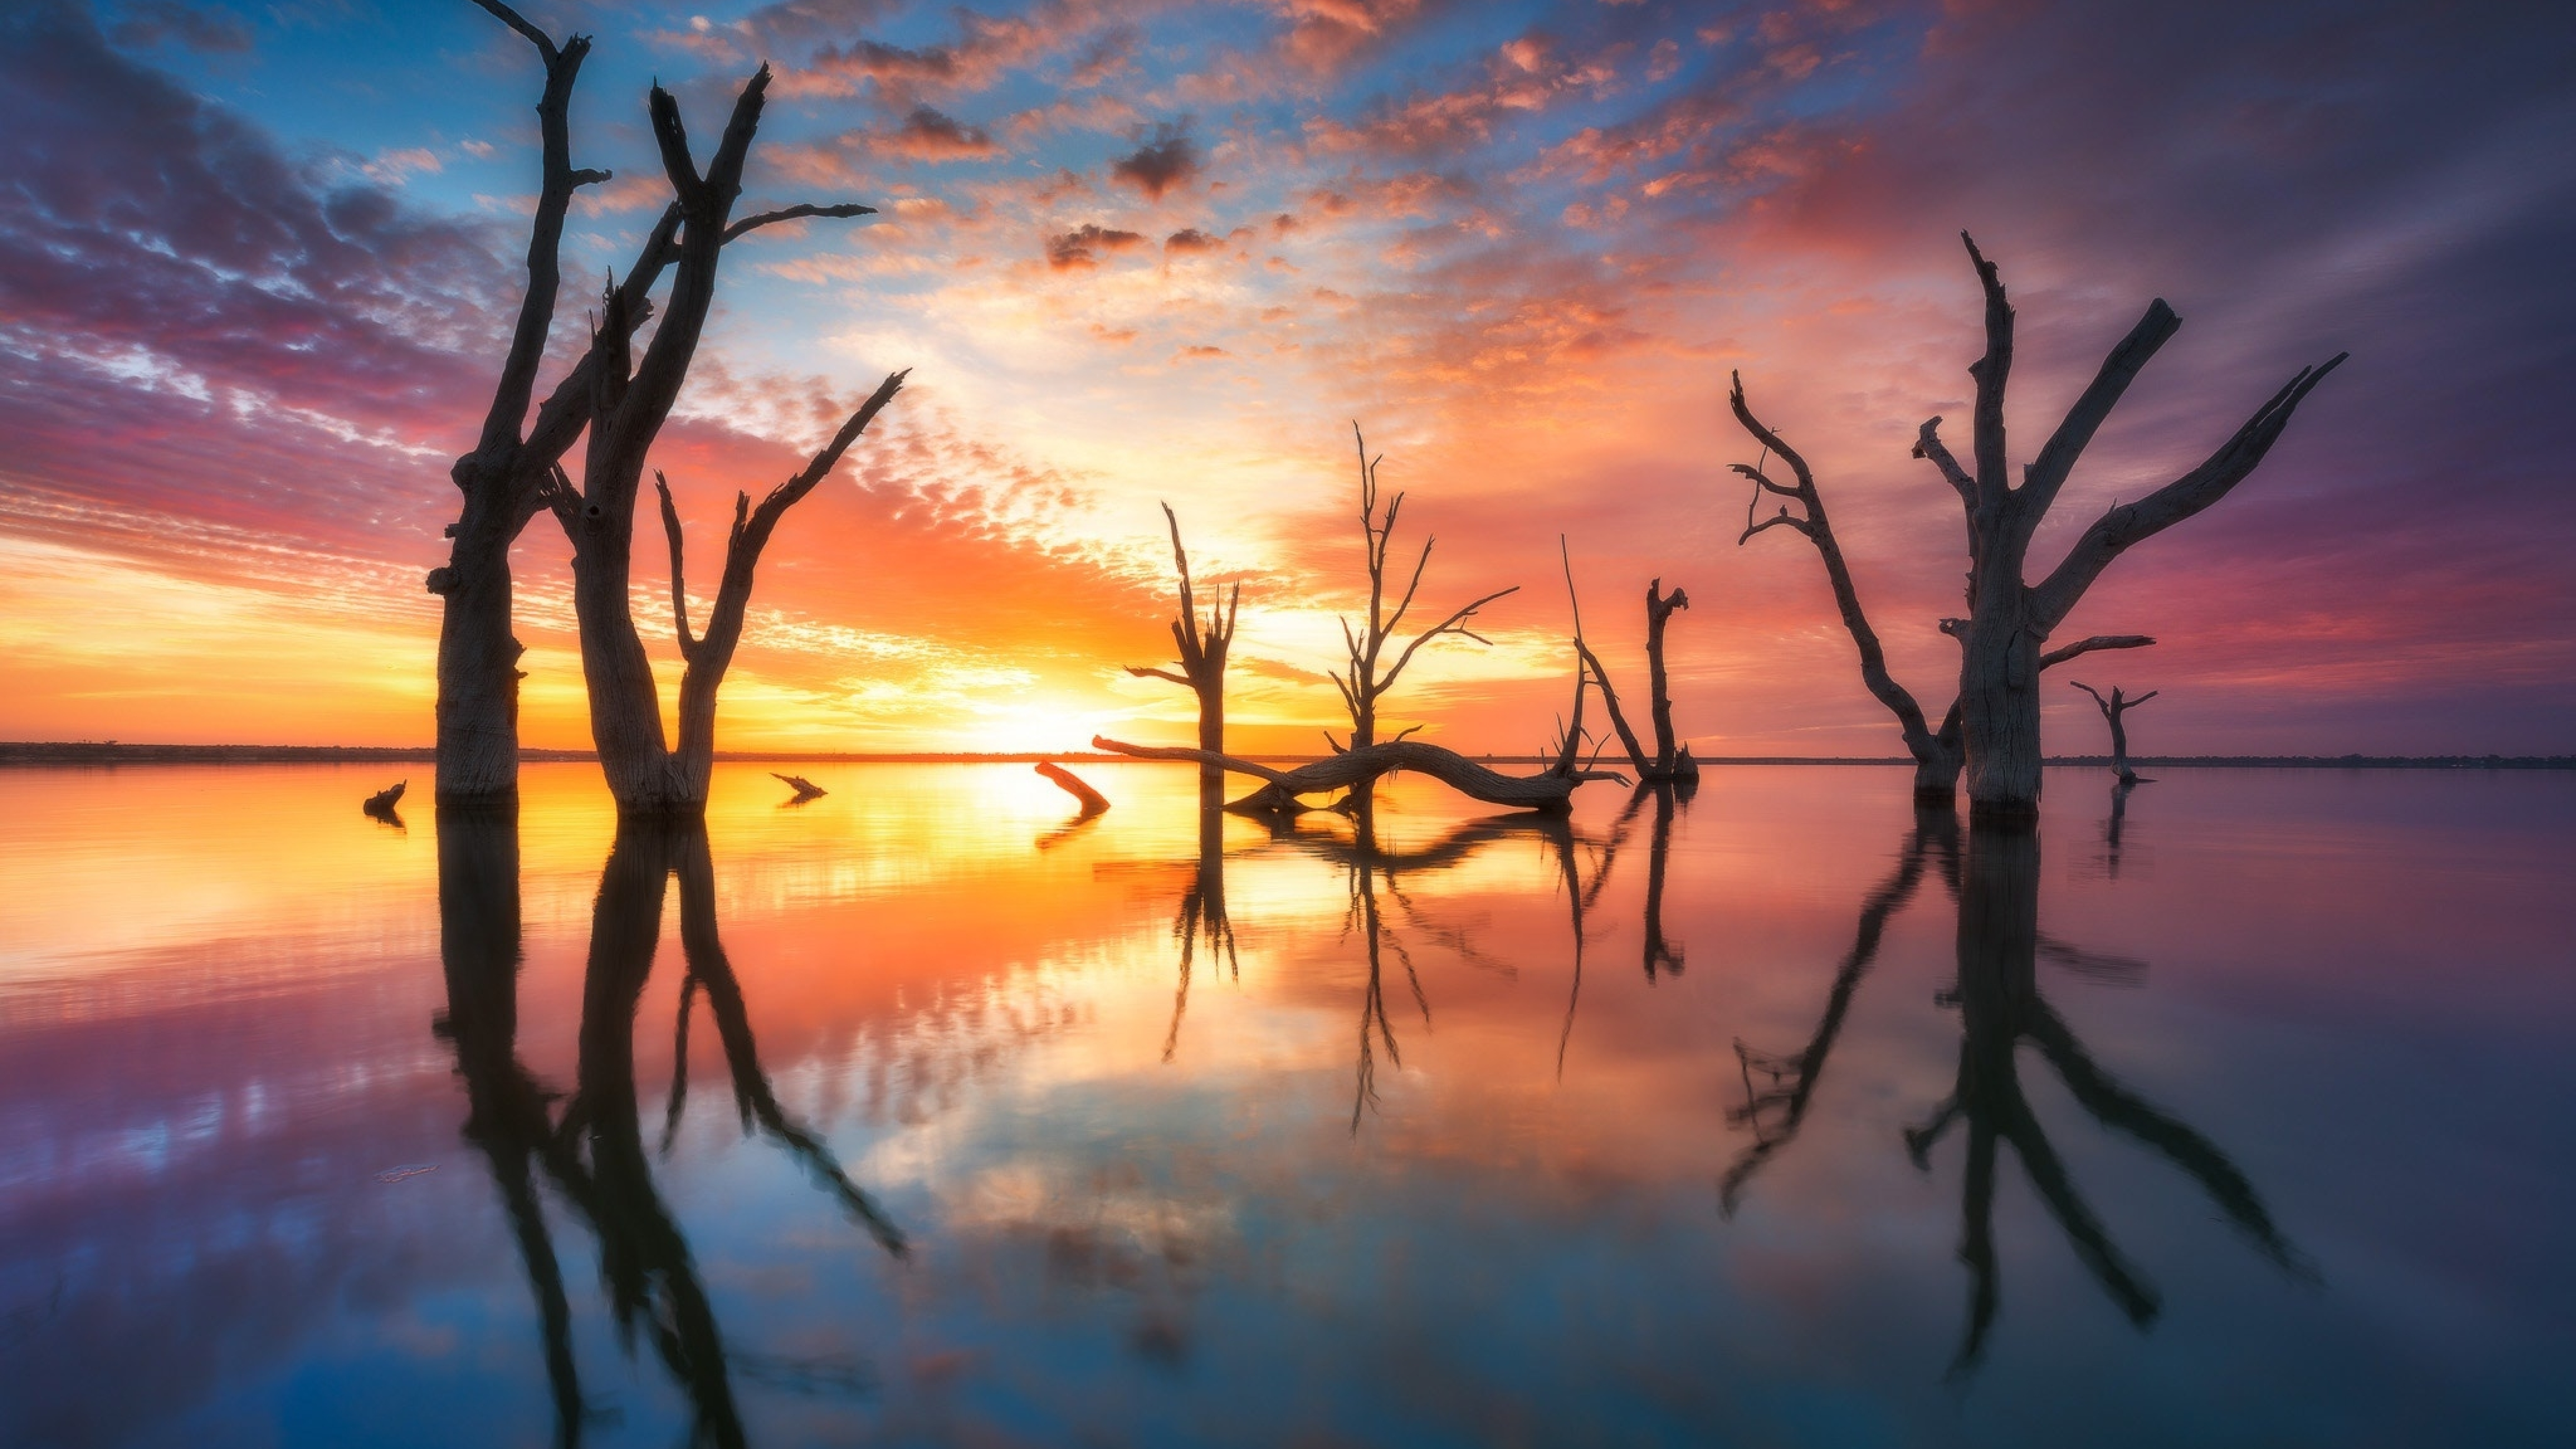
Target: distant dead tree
point(1993, 728)
point(1357, 765)
point(1368, 677)
point(505, 480)
point(1202, 647)
point(2112, 710)
point(1668, 763)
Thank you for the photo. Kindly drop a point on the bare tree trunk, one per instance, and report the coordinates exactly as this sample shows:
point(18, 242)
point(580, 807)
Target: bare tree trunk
point(1993, 729)
point(1659, 610)
point(2009, 621)
point(506, 480)
point(1368, 677)
point(1202, 648)
point(2116, 709)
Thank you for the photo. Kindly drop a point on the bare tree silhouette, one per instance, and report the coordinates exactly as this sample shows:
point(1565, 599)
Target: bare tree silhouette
point(1202, 646)
point(2002, 638)
point(2114, 709)
point(1368, 676)
point(506, 480)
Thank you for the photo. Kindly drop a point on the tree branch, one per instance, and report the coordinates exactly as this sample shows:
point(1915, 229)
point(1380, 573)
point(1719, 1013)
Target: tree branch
point(679, 590)
point(1990, 371)
point(792, 213)
point(1928, 444)
point(2126, 524)
point(2059, 656)
point(1819, 531)
point(1449, 625)
point(2045, 476)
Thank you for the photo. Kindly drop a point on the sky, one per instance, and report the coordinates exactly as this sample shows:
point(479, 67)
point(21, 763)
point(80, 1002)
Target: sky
point(258, 261)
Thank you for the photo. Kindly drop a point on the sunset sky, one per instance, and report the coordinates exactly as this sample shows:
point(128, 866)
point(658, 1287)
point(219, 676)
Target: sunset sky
point(257, 263)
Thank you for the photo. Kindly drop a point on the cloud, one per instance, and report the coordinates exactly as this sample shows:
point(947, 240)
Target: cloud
point(1191, 239)
point(210, 30)
point(1081, 246)
point(928, 134)
point(1170, 159)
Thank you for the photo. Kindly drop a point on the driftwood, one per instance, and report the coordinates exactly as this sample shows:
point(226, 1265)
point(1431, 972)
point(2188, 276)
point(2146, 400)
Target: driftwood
point(1361, 765)
point(1093, 802)
point(805, 789)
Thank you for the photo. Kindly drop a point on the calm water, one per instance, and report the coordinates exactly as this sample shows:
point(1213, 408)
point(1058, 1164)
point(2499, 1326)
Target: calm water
point(921, 1115)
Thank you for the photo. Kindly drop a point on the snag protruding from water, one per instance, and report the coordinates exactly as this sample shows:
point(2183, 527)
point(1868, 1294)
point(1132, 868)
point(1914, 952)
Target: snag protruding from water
point(2112, 710)
point(1202, 646)
point(805, 789)
point(1093, 802)
point(504, 481)
point(380, 805)
point(1992, 729)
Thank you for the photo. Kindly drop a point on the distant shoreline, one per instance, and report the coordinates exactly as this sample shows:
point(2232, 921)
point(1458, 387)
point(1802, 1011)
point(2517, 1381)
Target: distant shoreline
point(86, 752)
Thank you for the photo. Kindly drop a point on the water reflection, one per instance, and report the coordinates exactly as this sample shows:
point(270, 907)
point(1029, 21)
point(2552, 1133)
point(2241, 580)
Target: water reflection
point(1996, 993)
point(1203, 914)
point(236, 1207)
point(594, 1152)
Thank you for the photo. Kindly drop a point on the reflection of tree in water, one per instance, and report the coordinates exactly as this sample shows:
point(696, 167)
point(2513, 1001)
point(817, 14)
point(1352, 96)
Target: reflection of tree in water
point(1999, 945)
point(1203, 914)
point(1375, 870)
point(1777, 1107)
point(595, 1154)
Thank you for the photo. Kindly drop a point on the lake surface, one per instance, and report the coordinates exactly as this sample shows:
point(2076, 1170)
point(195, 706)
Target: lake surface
point(2232, 1113)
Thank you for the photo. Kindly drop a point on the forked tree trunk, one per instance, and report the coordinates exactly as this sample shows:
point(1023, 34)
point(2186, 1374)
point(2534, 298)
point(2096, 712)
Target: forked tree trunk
point(1368, 676)
point(506, 480)
point(644, 774)
point(1202, 646)
point(1993, 727)
point(2009, 621)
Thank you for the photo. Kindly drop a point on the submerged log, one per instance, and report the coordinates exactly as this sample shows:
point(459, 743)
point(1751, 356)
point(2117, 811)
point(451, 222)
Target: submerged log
point(1093, 802)
point(805, 789)
point(1362, 764)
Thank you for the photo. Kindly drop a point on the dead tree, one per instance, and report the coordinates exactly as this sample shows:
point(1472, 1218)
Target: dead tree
point(1202, 648)
point(2112, 710)
point(2003, 638)
point(1939, 753)
point(1668, 764)
point(1671, 762)
point(504, 480)
point(1367, 677)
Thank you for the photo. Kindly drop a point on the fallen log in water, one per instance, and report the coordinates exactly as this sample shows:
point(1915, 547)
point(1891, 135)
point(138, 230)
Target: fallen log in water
point(1550, 791)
